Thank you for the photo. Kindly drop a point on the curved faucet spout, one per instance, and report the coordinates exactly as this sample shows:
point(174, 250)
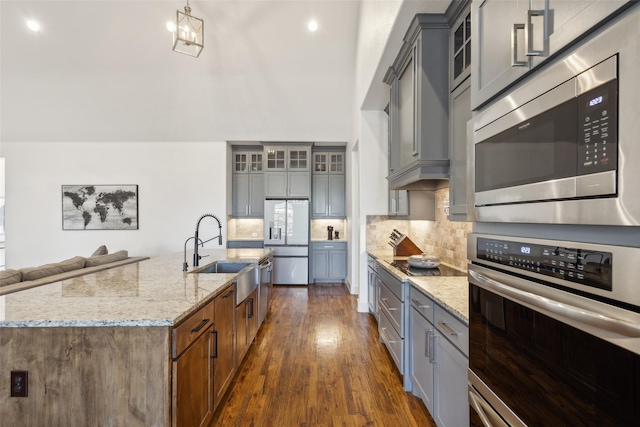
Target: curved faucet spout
point(185, 266)
point(196, 257)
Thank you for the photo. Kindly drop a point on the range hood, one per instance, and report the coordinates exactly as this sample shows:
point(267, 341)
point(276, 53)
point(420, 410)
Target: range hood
point(421, 175)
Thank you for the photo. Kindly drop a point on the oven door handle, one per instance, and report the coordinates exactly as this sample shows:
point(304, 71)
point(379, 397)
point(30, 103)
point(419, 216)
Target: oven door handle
point(578, 314)
point(476, 403)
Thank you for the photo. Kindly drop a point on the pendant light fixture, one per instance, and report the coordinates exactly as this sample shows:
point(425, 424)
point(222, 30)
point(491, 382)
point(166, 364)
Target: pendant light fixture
point(188, 35)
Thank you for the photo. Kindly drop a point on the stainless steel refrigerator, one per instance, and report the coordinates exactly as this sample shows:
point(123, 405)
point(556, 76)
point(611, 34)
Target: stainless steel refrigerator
point(286, 231)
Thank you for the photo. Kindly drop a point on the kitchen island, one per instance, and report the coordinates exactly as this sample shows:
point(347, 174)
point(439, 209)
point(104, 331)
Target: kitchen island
point(98, 348)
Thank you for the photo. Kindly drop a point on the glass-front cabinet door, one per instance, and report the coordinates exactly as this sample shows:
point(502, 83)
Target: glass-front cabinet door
point(299, 159)
point(276, 159)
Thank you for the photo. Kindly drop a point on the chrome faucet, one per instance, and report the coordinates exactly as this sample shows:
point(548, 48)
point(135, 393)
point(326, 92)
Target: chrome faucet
point(196, 257)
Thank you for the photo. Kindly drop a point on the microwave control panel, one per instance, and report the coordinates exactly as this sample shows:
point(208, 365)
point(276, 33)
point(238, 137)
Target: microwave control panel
point(586, 267)
point(598, 129)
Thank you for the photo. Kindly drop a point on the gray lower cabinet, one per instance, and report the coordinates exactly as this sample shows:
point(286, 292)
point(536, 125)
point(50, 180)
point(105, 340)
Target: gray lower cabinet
point(372, 269)
point(438, 360)
point(328, 262)
point(391, 318)
point(247, 195)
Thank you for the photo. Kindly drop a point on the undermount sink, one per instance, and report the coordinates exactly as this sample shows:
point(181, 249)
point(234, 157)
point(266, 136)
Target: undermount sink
point(222, 267)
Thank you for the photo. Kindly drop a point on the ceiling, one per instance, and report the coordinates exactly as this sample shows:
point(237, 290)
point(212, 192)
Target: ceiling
point(103, 70)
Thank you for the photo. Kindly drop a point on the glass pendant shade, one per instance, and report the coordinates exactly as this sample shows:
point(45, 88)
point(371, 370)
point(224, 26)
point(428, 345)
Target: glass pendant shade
point(188, 35)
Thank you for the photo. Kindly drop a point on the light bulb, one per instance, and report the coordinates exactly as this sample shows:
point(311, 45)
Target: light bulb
point(33, 25)
point(312, 25)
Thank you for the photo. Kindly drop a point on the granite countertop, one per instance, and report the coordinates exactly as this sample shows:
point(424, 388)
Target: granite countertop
point(154, 292)
point(329, 241)
point(450, 292)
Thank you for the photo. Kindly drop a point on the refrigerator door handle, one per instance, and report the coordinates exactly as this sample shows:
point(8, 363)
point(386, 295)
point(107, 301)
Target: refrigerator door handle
point(275, 233)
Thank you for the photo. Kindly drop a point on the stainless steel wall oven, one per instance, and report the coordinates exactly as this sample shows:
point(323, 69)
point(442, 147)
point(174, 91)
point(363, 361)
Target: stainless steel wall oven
point(562, 147)
point(554, 332)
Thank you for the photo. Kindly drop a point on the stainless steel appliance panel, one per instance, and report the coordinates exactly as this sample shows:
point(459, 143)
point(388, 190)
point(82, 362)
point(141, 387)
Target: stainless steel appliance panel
point(571, 352)
point(286, 231)
point(609, 198)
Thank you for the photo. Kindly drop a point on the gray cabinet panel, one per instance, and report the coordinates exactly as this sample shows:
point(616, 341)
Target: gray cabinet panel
point(418, 105)
point(336, 196)
point(494, 50)
point(247, 195)
point(511, 38)
point(328, 262)
point(320, 202)
point(437, 366)
point(299, 184)
point(275, 184)
point(328, 195)
point(460, 114)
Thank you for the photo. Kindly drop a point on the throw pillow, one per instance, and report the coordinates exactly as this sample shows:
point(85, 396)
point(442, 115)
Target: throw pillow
point(102, 250)
point(105, 259)
point(9, 277)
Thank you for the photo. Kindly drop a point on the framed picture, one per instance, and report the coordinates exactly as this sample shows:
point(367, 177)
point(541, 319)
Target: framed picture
point(99, 207)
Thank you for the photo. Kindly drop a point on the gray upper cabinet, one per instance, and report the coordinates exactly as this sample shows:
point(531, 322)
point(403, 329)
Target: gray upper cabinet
point(328, 195)
point(287, 170)
point(418, 104)
point(460, 49)
point(511, 38)
point(247, 184)
point(398, 203)
point(459, 109)
point(460, 105)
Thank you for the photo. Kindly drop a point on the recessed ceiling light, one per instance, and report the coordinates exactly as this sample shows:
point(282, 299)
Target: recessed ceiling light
point(312, 25)
point(33, 25)
point(171, 26)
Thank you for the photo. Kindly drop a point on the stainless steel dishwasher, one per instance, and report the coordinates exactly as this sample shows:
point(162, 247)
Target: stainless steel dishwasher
point(266, 288)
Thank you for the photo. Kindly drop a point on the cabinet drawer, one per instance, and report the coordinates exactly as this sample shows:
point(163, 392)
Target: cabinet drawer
point(391, 282)
point(188, 331)
point(453, 329)
point(422, 303)
point(392, 341)
point(392, 307)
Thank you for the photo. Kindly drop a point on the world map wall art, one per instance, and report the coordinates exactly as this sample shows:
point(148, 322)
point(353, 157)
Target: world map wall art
point(99, 207)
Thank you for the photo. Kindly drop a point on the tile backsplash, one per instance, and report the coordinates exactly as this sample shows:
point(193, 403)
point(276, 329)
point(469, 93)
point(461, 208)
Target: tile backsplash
point(319, 228)
point(445, 239)
point(245, 228)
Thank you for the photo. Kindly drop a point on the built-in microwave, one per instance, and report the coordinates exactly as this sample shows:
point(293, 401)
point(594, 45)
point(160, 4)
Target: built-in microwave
point(563, 147)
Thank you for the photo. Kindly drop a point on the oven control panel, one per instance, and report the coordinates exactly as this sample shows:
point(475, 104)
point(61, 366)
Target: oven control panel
point(586, 267)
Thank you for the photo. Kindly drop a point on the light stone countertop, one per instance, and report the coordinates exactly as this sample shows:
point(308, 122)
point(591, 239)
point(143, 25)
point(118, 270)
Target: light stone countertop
point(450, 292)
point(153, 292)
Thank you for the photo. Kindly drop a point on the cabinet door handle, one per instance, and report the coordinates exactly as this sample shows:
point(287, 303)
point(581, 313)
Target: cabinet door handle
point(514, 46)
point(200, 326)
point(228, 294)
point(417, 303)
point(529, 32)
point(432, 349)
point(250, 308)
point(215, 345)
point(427, 344)
point(448, 329)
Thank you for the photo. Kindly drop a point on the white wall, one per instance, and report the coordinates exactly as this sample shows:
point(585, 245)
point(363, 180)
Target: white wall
point(373, 187)
point(177, 182)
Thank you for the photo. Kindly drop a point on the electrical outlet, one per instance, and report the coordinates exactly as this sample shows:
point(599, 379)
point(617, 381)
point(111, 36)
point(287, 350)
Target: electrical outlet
point(19, 383)
point(445, 208)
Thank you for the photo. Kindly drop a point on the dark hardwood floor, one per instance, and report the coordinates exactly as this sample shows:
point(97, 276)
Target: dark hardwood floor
point(318, 362)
